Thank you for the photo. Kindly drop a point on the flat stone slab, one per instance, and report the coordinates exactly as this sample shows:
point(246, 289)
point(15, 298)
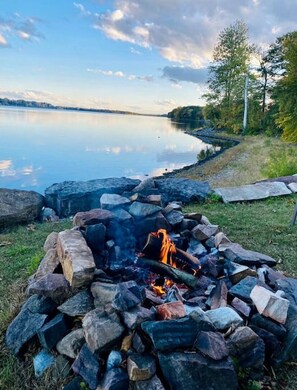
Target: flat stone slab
point(113, 201)
point(252, 191)
point(69, 197)
point(19, 206)
point(184, 190)
point(293, 187)
point(142, 210)
point(238, 254)
point(76, 258)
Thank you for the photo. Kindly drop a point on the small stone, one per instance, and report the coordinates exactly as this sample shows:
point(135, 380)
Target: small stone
point(289, 286)
point(40, 304)
point(48, 264)
point(272, 344)
point(102, 329)
point(53, 331)
point(194, 216)
point(204, 232)
point(152, 384)
point(264, 323)
point(71, 344)
point(269, 304)
point(127, 296)
point(141, 367)
point(114, 360)
point(244, 288)
point(42, 361)
point(122, 216)
point(174, 217)
point(103, 293)
point(241, 306)
point(212, 344)
point(224, 317)
point(171, 311)
point(87, 365)
point(22, 329)
point(218, 296)
point(113, 201)
point(237, 272)
point(51, 241)
point(196, 248)
point(60, 369)
point(92, 217)
point(221, 238)
point(53, 286)
point(138, 344)
point(136, 316)
point(171, 207)
point(209, 265)
point(78, 305)
point(74, 384)
point(210, 243)
point(293, 187)
point(188, 224)
point(142, 210)
point(154, 199)
point(115, 379)
point(76, 258)
point(48, 215)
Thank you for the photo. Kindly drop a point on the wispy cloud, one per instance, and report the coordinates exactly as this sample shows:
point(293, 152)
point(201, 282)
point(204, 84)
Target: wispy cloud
point(166, 103)
point(24, 28)
point(185, 31)
point(185, 73)
point(120, 74)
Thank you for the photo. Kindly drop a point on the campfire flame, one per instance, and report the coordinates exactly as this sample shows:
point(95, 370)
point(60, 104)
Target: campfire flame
point(168, 248)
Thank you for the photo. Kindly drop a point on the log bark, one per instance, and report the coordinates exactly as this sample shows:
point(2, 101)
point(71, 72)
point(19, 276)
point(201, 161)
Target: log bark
point(175, 274)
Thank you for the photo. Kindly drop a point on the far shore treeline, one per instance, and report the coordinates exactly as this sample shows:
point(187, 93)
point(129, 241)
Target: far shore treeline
point(271, 76)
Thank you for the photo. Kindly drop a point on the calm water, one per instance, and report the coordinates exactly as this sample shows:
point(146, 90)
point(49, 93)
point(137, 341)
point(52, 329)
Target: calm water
point(42, 147)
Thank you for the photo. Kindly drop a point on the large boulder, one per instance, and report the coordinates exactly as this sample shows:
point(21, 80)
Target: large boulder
point(19, 206)
point(184, 190)
point(69, 197)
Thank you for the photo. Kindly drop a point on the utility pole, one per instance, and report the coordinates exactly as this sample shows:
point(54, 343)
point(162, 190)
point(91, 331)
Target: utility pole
point(245, 103)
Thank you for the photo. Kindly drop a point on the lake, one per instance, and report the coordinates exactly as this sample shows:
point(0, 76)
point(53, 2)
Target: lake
point(41, 147)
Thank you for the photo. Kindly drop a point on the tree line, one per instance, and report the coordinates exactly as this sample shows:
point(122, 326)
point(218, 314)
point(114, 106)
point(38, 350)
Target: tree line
point(270, 77)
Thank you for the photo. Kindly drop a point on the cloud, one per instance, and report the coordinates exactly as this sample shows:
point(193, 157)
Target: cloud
point(121, 74)
point(185, 31)
point(185, 73)
point(82, 9)
point(166, 103)
point(18, 26)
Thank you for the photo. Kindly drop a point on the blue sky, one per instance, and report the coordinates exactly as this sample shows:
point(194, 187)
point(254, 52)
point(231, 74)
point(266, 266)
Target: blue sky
point(141, 55)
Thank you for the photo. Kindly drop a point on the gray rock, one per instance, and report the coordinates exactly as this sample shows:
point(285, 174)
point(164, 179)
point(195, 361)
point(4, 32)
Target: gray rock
point(196, 248)
point(114, 360)
point(76, 258)
point(95, 237)
point(172, 206)
point(252, 191)
point(141, 367)
point(212, 344)
point(244, 288)
point(40, 304)
point(145, 185)
point(184, 190)
point(102, 329)
point(174, 217)
point(87, 365)
point(103, 293)
point(53, 331)
point(289, 286)
point(142, 210)
point(293, 187)
point(271, 326)
point(241, 306)
point(220, 239)
point(60, 370)
point(269, 304)
point(152, 384)
point(194, 216)
point(42, 362)
point(53, 286)
point(113, 201)
point(247, 347)
point(115, 379)
point(71, 344)
point(237, 272)
point(204, 232)
point(74, 384)
point(224, 317)
point(51, 241)
point(19, 206)
point(136, 316)
point(188, 224)
point(78, 305)
point(127, 296)
point(92, 217)
point(48, 264)
point(238, 254)
point(122, 216)
point(69, 197)
point(22, 329)
point(185, 371)
point(48, 215)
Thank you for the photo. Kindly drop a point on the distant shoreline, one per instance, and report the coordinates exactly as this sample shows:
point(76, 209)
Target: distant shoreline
point(5, 102)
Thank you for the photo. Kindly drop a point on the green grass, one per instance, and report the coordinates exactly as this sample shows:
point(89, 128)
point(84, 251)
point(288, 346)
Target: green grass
point(262, 226)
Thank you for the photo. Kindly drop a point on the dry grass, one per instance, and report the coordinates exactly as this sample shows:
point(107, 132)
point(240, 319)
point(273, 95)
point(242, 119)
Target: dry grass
point(241, 164)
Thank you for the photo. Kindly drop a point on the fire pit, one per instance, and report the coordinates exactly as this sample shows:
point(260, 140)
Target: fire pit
point(142, 296)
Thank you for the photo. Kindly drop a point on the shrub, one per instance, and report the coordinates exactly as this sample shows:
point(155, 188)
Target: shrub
point(281, 164)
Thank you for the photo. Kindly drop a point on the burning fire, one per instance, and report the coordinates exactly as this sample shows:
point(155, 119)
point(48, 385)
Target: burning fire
point(161, 290)
point(168, 248)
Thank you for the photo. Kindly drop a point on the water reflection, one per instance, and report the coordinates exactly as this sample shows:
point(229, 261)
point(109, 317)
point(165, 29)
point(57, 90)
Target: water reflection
point(42, 147)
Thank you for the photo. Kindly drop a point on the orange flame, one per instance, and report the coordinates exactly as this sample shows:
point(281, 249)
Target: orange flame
point(168, 248)
point(159, 290)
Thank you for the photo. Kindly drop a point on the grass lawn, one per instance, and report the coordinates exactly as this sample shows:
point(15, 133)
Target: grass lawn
point(262, 226)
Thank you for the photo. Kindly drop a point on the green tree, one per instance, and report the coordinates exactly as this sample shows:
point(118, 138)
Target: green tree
point(286, 90)
point(227, 74)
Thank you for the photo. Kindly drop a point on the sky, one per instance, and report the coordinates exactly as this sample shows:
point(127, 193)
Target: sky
point(144, 56)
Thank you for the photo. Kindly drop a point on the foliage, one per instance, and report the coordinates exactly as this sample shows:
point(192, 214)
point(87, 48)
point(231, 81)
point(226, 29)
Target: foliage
point(205, 154)
point(186, 114)
point(281, 163)
point(286, 91)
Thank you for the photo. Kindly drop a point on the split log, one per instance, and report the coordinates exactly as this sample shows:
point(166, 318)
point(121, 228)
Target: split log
point(160, 268)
